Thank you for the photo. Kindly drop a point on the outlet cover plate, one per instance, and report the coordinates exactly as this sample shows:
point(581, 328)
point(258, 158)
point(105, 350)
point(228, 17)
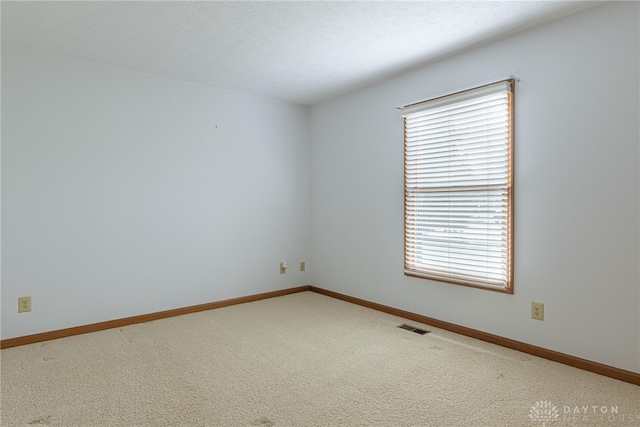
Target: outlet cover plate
point(537, 310)
point(24, 304)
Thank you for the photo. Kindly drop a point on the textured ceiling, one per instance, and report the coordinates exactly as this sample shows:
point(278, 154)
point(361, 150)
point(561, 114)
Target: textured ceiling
point(303, 52)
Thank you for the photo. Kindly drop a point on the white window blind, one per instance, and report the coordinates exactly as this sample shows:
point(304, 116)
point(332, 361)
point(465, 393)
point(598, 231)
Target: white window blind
point(459, 187)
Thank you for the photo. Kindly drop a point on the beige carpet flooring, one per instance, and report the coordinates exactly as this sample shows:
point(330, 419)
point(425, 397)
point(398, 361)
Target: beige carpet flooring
point(299, 360)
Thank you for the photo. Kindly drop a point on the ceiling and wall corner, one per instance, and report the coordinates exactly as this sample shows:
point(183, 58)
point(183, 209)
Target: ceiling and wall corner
point(125, 193)
point(302, 52)
point(577, 174)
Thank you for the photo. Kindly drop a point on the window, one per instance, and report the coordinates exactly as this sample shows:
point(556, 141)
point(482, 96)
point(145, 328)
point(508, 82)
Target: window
point(458, 181)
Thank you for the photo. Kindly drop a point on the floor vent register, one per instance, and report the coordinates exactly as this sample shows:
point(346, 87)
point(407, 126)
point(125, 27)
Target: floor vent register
point(413, 329)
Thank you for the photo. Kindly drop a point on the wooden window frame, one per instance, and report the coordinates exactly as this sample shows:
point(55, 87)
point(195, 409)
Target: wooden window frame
point(509, 188)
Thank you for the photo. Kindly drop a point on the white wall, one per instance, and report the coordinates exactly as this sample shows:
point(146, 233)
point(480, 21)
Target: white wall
point(126, 193)
point(576, 194)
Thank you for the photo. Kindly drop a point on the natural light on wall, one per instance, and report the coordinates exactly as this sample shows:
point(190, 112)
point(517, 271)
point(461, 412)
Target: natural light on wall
point(459, 187)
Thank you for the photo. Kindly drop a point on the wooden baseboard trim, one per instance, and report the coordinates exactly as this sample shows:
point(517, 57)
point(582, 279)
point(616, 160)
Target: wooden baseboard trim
point(576, 362)
point(118, 323)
